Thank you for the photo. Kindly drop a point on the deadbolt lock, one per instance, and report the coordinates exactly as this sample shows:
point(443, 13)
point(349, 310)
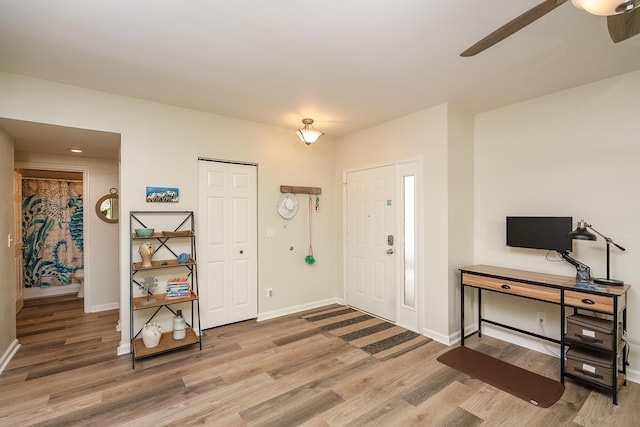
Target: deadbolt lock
point(390, 239)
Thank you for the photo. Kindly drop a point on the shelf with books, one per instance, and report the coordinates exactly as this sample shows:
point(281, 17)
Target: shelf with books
point(164, 286)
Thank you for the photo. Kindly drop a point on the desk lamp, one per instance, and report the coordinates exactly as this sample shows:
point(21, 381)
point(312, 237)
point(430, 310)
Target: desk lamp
point(581, 233)
point(583, 272)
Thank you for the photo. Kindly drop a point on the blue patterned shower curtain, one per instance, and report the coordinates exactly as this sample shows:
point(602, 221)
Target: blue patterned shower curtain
point(52, 231)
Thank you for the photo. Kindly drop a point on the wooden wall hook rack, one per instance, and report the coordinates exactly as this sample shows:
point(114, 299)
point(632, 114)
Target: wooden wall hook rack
point(300, 190)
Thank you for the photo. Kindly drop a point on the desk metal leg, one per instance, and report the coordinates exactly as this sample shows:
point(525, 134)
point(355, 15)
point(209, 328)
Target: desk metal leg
point(461, 312)
point(614, 384)
point(562, 346)
point(479, 312)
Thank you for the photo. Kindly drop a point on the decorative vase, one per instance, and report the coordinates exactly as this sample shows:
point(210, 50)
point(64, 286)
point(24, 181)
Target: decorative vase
point(146, 251)
point(179, 327)
point(151, 334)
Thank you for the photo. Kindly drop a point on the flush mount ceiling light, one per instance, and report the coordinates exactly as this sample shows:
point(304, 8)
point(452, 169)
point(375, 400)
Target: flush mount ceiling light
point(606, 7)
point(75, 150)
point(308, 134)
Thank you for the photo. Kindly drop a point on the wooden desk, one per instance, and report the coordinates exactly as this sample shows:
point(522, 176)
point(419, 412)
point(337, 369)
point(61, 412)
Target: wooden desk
point(559, 290)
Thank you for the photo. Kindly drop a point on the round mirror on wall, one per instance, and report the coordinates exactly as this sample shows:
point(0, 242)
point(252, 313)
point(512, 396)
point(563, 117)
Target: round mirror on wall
point(107, 207)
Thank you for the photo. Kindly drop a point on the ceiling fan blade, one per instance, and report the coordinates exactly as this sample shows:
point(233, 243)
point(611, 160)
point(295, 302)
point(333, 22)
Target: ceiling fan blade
point(513, 26)
point(624, 25)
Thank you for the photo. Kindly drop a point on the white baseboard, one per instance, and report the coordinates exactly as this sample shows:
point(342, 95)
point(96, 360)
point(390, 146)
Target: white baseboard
point(48, 291)
point(8, 355)
point(124, 348)
point(633, 376)
point(447, 340)
point(531, 343)
point(105, 307)
point(297, 309)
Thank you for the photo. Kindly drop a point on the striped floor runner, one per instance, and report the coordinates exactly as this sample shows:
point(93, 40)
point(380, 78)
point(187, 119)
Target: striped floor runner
point(381, 339)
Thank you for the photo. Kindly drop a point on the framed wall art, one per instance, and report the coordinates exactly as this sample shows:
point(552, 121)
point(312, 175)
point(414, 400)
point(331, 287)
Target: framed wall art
point(162, 195)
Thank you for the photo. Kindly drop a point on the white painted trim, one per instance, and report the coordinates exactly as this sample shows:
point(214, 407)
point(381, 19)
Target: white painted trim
point(404, 315)
point(633, 376)
point(530, 343)
point(86, 281)
point(228, 314)
point(124, 348)
point(105, 307)
point(297, 309)
point(47, 291)
point(521, 340)
point(87, 210)
point(420, 285)
point(447, 340)
point(8, 355)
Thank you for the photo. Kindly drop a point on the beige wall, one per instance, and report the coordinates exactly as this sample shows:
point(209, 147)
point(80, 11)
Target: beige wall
point(101, 239)
point(428, 136)
point(573, 153)
point(160, 145)
point(7, 258)
point(461, 209)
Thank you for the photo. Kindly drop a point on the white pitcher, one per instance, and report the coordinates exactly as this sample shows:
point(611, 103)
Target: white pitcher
point(151, 334)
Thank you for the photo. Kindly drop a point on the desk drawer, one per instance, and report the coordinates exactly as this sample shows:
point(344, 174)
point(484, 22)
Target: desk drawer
point(589, 301)
point(515, 288)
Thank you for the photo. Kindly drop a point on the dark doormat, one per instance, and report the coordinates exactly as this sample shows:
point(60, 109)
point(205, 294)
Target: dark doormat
point(381, 339)
point(529, 386)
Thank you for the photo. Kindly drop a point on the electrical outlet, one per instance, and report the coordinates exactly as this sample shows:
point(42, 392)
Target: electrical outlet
point(269, 292)
point(541, 317)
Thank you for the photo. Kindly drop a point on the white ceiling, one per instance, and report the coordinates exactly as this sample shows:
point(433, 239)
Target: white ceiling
point(52, 139)
point(348, 64)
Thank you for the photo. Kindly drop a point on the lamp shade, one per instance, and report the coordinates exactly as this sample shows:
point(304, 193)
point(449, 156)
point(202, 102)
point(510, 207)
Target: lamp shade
point(581, 232)
point(605, 7)
point(308, 134)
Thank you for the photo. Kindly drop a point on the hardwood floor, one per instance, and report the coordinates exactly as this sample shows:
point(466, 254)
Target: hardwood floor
point(282, 372)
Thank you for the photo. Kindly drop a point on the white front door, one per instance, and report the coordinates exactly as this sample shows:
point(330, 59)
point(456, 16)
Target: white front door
point(227, 243)
point(371, 241)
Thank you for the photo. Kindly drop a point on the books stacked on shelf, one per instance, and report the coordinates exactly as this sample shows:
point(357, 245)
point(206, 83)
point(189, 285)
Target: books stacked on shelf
point(178, 287)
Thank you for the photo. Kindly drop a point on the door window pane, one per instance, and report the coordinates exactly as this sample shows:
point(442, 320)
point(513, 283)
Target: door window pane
point(409, 240)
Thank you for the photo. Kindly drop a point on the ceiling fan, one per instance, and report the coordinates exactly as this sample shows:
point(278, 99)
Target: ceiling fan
point(623, 20)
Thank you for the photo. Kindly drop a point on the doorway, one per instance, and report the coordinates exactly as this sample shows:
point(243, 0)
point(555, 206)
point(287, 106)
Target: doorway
point(52, 221)
point(382, 241)
point(227, 242)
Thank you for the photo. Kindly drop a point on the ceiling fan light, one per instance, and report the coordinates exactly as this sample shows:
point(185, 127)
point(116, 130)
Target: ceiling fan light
point(604, 7)
point(308, 134)
point(627, 6)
